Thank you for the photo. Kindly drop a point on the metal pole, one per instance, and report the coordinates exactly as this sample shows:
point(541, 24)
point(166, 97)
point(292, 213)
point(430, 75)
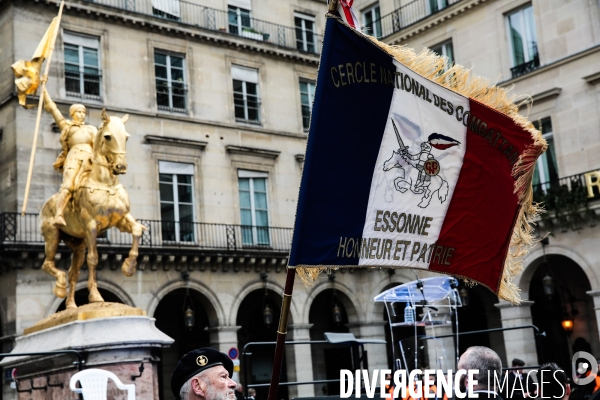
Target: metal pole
point(281, 333)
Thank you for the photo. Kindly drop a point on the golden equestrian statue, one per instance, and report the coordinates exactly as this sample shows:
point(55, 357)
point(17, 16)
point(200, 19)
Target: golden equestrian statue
point(90, 201)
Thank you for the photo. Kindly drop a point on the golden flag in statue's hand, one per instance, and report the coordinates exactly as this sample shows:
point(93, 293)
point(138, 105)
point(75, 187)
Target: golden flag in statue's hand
point(27, 73)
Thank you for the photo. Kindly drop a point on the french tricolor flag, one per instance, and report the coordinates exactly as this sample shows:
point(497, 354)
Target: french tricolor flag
point(400, 171)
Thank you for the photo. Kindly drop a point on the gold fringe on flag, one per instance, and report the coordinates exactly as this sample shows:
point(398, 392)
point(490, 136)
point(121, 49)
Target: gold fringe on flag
point(460, 80)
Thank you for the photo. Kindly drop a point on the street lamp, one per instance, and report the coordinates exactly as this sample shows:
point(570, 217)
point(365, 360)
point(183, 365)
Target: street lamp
point(267, 311)
point(567, 324)
point(548, 284)
point(335, 309)
point(189, 319)
point(464, 297)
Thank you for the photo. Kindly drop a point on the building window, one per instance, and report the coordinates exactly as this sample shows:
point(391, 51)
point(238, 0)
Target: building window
point(523, 41)
point(254, 208)
point(307, 95)
point(372, 21)
point(171, 88)
point(169, 9)
point(445, 49)
point(436, 5)
point(305, 32)
point(239, 20)
point(82, 66)
point(246, 98)
point(546, 169)
point(176, 201)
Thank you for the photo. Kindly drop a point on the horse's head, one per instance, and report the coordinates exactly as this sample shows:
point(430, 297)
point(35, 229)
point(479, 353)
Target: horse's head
point(111, 140)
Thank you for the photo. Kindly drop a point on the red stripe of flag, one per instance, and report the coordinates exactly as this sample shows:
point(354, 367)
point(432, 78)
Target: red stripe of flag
point(483, 210)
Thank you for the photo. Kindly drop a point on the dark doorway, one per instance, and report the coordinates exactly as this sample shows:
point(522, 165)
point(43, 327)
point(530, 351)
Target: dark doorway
point(568, 299)
point(81, 298)
point(170, 319)
point(473, 317)
point(258, 317)
point(328, 314)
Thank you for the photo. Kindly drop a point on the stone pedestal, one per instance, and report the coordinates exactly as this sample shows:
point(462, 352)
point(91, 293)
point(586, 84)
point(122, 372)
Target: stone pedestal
point(118, 344)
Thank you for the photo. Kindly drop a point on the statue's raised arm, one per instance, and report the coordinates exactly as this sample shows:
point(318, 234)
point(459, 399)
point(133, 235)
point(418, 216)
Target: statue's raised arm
point(76, 139)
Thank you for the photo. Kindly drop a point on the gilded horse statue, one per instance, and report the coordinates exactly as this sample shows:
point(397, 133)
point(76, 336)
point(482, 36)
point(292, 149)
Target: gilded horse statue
point(98, 202)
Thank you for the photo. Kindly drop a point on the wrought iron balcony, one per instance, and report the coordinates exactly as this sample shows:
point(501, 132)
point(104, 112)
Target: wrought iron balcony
point(570, 193)
point(195, 15)
point(567, 201)
point(526, 67)
point(17, 229)
point(411, 13)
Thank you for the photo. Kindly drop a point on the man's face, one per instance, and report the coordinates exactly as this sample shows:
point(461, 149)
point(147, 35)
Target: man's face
point(217, 385)
point(79, 115)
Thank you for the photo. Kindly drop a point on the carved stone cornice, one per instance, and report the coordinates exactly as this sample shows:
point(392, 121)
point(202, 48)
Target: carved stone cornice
point(177, 142)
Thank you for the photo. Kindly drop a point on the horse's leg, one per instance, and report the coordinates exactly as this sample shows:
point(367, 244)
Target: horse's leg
point(130, 225)
point(91, 235)
point(78, 249)
point(52, 239)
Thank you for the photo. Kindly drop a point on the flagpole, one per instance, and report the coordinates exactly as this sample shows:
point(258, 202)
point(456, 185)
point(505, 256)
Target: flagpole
point(39, 112)
point(287, 301)
point(281, 333)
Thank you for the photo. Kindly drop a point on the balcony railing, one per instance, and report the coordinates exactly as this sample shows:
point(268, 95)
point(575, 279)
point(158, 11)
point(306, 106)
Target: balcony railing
point(212, 19)
point(24, 229)
point(526, 67)
point(411, 13)
point(565, 194)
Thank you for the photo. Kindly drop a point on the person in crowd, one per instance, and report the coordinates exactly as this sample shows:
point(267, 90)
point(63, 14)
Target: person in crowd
point(553, 383)
point(488, 363)
point(203, 374)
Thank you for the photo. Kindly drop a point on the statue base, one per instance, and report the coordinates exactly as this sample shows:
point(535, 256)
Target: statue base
point(117, 338)
point(85, 312)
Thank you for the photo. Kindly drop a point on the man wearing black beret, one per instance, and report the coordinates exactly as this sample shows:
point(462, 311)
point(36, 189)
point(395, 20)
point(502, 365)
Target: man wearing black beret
point(203, 374)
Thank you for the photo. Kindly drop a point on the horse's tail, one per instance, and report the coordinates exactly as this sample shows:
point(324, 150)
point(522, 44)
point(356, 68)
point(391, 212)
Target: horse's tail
point(443, 191)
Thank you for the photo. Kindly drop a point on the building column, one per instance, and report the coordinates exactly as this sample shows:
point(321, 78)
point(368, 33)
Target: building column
point(518, 343)
point(596, 296)
point(376, 353)
point(299, 361)
point(224, 338)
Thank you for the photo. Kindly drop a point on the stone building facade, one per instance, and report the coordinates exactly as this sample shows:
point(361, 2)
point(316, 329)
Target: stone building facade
point(219, 95)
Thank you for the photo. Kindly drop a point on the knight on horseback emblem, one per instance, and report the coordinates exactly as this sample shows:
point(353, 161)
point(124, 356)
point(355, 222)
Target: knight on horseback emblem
point(428, 180)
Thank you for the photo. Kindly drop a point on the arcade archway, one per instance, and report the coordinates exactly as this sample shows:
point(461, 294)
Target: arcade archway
point(563, 310)
point(329, 313)
point(258, 316)
point(171, 319)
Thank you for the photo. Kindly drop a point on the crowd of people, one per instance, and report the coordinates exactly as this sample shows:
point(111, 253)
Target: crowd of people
point(205, 374)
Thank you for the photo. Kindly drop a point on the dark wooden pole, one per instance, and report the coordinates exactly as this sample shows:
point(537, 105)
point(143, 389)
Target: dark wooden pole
point(281, 333)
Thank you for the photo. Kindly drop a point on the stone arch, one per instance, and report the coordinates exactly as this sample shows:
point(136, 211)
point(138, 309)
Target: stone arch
point(102, 284)
point(214, 310)
point(258, 285)
point(353, 310)
point(535, 258)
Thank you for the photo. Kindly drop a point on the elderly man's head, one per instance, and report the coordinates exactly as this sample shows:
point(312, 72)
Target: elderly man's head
point(203, 374)
point(483, 359)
